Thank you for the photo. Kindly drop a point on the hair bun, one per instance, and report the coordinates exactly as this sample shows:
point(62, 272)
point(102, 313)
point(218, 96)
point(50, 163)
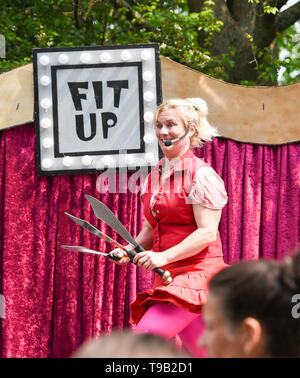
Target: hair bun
point(290, 272)
point(296, 269)
point(199, 105)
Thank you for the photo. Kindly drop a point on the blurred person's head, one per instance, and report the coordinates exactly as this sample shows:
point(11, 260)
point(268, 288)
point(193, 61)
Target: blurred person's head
point(249, 310)
point(127, 344)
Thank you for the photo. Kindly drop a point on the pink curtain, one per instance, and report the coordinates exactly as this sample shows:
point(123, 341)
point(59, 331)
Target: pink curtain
point(55, 299)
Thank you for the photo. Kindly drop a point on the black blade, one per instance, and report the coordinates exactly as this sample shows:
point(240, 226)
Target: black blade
point(103, 213)
point(85, 225)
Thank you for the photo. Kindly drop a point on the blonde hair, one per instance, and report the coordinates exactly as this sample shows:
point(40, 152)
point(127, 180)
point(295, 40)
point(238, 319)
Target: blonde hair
point(126, 344)
point(193, 110)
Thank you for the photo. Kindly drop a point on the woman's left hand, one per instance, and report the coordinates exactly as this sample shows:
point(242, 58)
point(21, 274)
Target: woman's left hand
point(150, 260)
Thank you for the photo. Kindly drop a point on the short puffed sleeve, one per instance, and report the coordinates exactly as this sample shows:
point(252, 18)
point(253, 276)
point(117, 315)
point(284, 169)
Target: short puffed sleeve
point(208, 189)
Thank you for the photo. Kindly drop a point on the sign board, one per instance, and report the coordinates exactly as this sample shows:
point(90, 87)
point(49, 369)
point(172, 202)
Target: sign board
point(94, 108)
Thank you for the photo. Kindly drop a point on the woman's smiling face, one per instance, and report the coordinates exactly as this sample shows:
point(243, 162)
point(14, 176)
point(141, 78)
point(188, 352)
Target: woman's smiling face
point(170, 125)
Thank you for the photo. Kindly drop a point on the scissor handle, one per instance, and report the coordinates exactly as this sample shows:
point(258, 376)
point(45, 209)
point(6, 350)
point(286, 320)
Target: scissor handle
point(113, 257)
point(165, 274)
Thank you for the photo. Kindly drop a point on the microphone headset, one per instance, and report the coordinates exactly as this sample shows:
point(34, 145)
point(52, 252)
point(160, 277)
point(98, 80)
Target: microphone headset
point(168, 143)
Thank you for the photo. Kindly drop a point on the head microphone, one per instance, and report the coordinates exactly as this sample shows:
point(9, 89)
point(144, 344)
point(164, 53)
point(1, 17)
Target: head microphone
point(168, 143)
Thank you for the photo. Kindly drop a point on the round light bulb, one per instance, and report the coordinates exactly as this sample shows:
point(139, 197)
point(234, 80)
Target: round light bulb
point(145, 55)
point(148, 96)
point(85, 57)
point(46, 163)
point(147, 76)
point(45, 123)
point(67, 161)
point(148, 138)
point(129, 159)
point(149, 157)
point(47, 142)
point(63, 58)
point(44, 60)
point(86, 160)
point(107, 160)
point(45, 103)
point(148, 117)
point(125, 55)
point(104, 57)
point(45, 80)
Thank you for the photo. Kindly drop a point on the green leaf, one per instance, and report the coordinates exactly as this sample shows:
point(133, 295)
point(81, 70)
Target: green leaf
point(270, 10)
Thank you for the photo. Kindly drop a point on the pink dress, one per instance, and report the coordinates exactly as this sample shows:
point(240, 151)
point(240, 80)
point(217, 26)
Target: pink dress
point(168, 208)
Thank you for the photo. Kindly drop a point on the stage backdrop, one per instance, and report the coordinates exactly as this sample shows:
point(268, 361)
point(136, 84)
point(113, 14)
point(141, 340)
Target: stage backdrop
point(55, 299)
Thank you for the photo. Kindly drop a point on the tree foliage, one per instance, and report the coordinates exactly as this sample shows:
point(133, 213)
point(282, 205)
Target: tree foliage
point(174, 24)
point(29, 24)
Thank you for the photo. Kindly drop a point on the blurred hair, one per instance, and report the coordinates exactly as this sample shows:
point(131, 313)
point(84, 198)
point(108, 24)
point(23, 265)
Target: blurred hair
point(127, 344)
point(263, 289)
point(193, 110)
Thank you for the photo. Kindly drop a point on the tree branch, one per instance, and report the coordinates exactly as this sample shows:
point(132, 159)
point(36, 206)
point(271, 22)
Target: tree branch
point(277, 3)
point(76, 14)
point(287, 18)
point(220, 8)
point(195, 6)
point(104, 29)
point(241, 11)
point(134, 14)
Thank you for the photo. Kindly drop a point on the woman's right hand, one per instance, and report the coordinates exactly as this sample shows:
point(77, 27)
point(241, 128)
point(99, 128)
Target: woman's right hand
point(122, 255)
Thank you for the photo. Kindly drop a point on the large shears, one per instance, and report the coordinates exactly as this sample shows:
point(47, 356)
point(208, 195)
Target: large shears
point(103, 213)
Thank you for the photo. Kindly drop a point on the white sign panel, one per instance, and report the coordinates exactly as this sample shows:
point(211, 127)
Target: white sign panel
point(94, 108)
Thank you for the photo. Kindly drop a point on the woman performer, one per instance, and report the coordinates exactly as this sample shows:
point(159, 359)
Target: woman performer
point(183, 199)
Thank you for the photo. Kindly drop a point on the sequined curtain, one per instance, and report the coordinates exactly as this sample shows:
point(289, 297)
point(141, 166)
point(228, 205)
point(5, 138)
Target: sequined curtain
point(55, 299)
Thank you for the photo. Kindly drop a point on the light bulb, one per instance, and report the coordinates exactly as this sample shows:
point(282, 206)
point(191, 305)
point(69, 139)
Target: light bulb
point(45, 103)
point(86, 160)
point(145, 55)
point(45, 80)
point(45, 123)
point(129, 159)
point(148, 117)
point(46, 163)
point(63, 58)
point(85, 57)
point(148, 138)
point(104, 57)
point(44, 60)
point(147, 76)
point(125, 55)
point(107, 160)
point(67, 161)
point(148, 96)
point(47, 142)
